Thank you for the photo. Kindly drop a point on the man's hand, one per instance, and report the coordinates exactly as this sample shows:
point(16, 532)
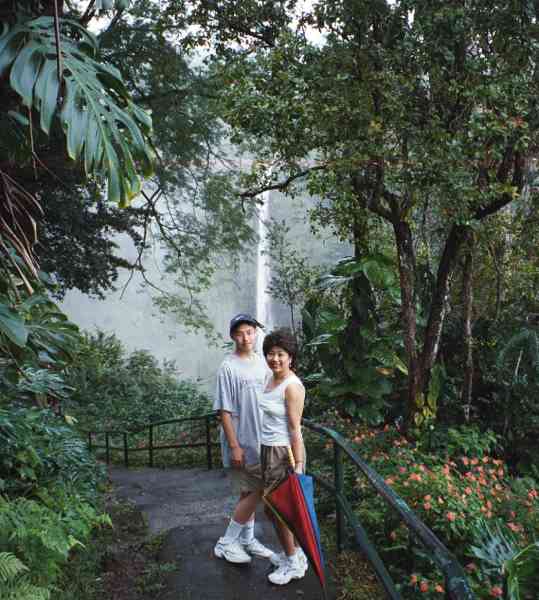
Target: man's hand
point(237, 457)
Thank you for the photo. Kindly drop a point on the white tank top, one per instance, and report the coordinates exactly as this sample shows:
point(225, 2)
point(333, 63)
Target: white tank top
point(272, 404)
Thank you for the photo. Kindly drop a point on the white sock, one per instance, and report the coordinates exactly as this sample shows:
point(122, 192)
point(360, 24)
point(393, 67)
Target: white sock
point(248, 532)
point(293, 560)
point(233, 531)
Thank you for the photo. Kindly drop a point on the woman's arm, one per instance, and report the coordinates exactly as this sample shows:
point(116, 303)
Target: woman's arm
point(294, 398)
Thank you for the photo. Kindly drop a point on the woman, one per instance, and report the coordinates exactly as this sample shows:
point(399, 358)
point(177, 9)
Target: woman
point(281, 404)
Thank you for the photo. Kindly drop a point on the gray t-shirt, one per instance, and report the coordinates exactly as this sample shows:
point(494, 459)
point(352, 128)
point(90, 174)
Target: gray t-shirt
point(238, 382)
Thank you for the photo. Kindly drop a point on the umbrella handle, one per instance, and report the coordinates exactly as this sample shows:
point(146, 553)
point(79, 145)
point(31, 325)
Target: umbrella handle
point(291, 458)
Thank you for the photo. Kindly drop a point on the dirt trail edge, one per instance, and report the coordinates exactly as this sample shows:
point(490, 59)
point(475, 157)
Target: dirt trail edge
point(193, 507)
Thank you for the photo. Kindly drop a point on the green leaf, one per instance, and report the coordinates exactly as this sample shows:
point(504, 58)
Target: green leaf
point(103, 127)
point(25, 70)
point(46, 91)
point(12, 326)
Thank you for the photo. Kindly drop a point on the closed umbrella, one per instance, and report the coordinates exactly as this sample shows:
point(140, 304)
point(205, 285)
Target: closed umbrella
point(292, 501)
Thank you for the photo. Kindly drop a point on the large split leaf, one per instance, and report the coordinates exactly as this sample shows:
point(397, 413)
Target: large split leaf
point(103, 127)
point(108, 4)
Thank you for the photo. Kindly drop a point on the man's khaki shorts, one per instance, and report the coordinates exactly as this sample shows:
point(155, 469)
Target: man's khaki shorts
point(247, 479)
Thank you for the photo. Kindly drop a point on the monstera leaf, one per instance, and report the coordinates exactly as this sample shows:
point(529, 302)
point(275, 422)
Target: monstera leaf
point(103, 127)
point(108, 4)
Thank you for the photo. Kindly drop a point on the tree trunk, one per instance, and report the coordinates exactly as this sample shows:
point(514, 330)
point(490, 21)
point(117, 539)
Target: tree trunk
point(467, 299)
point(457, 236)
point(362, 303)
point(420, 366)
point(405, 250)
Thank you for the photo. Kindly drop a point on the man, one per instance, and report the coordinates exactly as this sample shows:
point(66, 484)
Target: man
point(241, 376)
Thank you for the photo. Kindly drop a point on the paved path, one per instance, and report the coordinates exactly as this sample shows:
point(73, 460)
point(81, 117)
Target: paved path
point(194, 506)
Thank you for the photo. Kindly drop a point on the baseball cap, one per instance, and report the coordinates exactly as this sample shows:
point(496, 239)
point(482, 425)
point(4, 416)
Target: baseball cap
point(243, 318)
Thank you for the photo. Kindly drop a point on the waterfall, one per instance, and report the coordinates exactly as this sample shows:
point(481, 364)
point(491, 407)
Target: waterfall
point(263, 300)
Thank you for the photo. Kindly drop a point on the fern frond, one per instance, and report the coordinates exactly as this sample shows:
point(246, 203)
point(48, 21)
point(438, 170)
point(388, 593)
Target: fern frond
point(10, 566)
point(525, 340)
point(23, 589)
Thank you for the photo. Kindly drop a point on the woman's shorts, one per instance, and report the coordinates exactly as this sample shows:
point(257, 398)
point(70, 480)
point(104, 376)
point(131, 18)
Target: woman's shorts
point(275, 465)
point(247, 479)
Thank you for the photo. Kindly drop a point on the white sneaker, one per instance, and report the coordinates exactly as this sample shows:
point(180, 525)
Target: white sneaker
point(279, 558)
point(231, 551)
point(255, 548)
point(290, 569)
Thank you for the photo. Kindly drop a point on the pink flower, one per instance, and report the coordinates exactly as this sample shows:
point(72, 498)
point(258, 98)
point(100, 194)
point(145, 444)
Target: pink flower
point(471, 567)
point(439, 588)
point(468, 491)
point(465, 461)
point(474, 461)
point(393, 535)
point(427, 498)
point(390, 481)
point(413, 579)
point(451, 516)
point(514, 526)
point(402, 469)
point(424, 586)
point(496, 591)
point(427, 505)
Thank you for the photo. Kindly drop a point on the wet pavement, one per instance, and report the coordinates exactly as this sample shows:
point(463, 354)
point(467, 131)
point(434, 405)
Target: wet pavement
point(192, 507)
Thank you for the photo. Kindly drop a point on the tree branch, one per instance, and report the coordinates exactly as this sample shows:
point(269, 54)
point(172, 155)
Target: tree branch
point(505, 199)
point(282, 185)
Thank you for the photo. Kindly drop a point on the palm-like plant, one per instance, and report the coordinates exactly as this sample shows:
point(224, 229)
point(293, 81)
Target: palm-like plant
point(502, 556)
point(51, 80)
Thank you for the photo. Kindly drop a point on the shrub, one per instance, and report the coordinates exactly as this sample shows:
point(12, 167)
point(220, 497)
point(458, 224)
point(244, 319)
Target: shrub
point(49, 497)
point(117, 389)
point(452, 493)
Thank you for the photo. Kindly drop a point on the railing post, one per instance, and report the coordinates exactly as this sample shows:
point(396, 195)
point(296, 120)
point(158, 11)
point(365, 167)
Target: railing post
point(107, 448)
point(208, 443)
point(339, 486)
point(151, 445)
point(89, 441)
point(126, 456)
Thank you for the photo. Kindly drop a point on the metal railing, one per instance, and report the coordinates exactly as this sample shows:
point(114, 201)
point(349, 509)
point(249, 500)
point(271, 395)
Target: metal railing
point(456, 584)
point(209, 420)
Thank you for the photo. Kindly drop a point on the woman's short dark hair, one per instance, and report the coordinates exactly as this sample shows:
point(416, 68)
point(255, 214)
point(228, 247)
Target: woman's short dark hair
point(284, 339)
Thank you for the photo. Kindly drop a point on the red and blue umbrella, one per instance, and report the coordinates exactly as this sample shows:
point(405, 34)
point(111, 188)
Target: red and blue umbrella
point(292, 501)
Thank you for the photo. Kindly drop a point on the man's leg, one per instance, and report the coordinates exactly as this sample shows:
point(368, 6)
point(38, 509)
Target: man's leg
point(238, 542)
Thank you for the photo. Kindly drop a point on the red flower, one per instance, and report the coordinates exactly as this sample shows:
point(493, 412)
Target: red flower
point(496, 592)
point(451, 516)
point(424, 586)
